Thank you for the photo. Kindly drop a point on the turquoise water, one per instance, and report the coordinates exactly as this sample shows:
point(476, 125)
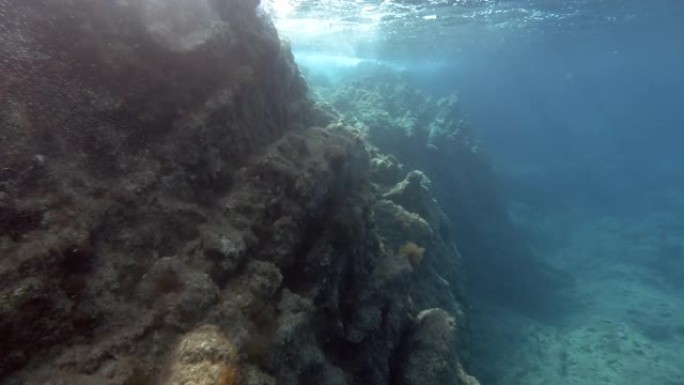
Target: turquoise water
point(579, 107)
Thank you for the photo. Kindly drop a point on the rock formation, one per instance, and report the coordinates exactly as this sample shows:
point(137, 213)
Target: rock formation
point(428, 133)
point(175, 210)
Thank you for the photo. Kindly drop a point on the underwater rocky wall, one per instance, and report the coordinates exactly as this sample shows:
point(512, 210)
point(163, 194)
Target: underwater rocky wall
point(175, 210)
point(422, 131)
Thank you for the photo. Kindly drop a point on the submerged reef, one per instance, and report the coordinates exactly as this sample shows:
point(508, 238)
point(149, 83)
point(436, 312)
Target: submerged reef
point(175, 209)
point(423, 132)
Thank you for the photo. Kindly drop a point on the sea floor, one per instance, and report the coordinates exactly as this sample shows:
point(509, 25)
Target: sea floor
point(621, 323)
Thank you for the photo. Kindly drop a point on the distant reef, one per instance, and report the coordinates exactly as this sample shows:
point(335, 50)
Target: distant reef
point(176, 208)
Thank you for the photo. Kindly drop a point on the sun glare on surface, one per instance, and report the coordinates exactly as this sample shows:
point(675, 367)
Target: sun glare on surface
point(278, 9)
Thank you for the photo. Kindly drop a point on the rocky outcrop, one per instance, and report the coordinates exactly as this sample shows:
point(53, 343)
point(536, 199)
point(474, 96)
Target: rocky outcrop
point(430, 133)
point(174, 210)
point(204, 356)
point(431, 350)
point(121, 128)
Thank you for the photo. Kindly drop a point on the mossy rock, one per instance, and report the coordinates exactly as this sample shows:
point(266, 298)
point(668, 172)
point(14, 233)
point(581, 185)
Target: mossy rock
point(13, 298)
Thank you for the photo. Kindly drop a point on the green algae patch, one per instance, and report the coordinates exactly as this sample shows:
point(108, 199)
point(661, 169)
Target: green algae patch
point(15, 297)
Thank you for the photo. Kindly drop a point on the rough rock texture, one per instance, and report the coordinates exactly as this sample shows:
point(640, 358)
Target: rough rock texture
point(204, 356)
point(431, 350)
point(174, 210)
point(430, 134)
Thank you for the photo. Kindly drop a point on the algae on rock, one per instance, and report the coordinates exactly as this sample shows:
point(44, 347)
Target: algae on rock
point(155, 183)
point(431, 134)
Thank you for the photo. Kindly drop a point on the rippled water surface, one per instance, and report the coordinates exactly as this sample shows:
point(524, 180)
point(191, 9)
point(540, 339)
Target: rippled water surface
point(437, 28)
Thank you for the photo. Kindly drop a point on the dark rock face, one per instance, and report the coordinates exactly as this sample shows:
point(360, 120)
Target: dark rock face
point(431, 350)
point(168, 207)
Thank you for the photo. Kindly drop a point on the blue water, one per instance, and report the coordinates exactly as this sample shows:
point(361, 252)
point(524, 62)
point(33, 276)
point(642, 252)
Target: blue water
point(580, 107)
